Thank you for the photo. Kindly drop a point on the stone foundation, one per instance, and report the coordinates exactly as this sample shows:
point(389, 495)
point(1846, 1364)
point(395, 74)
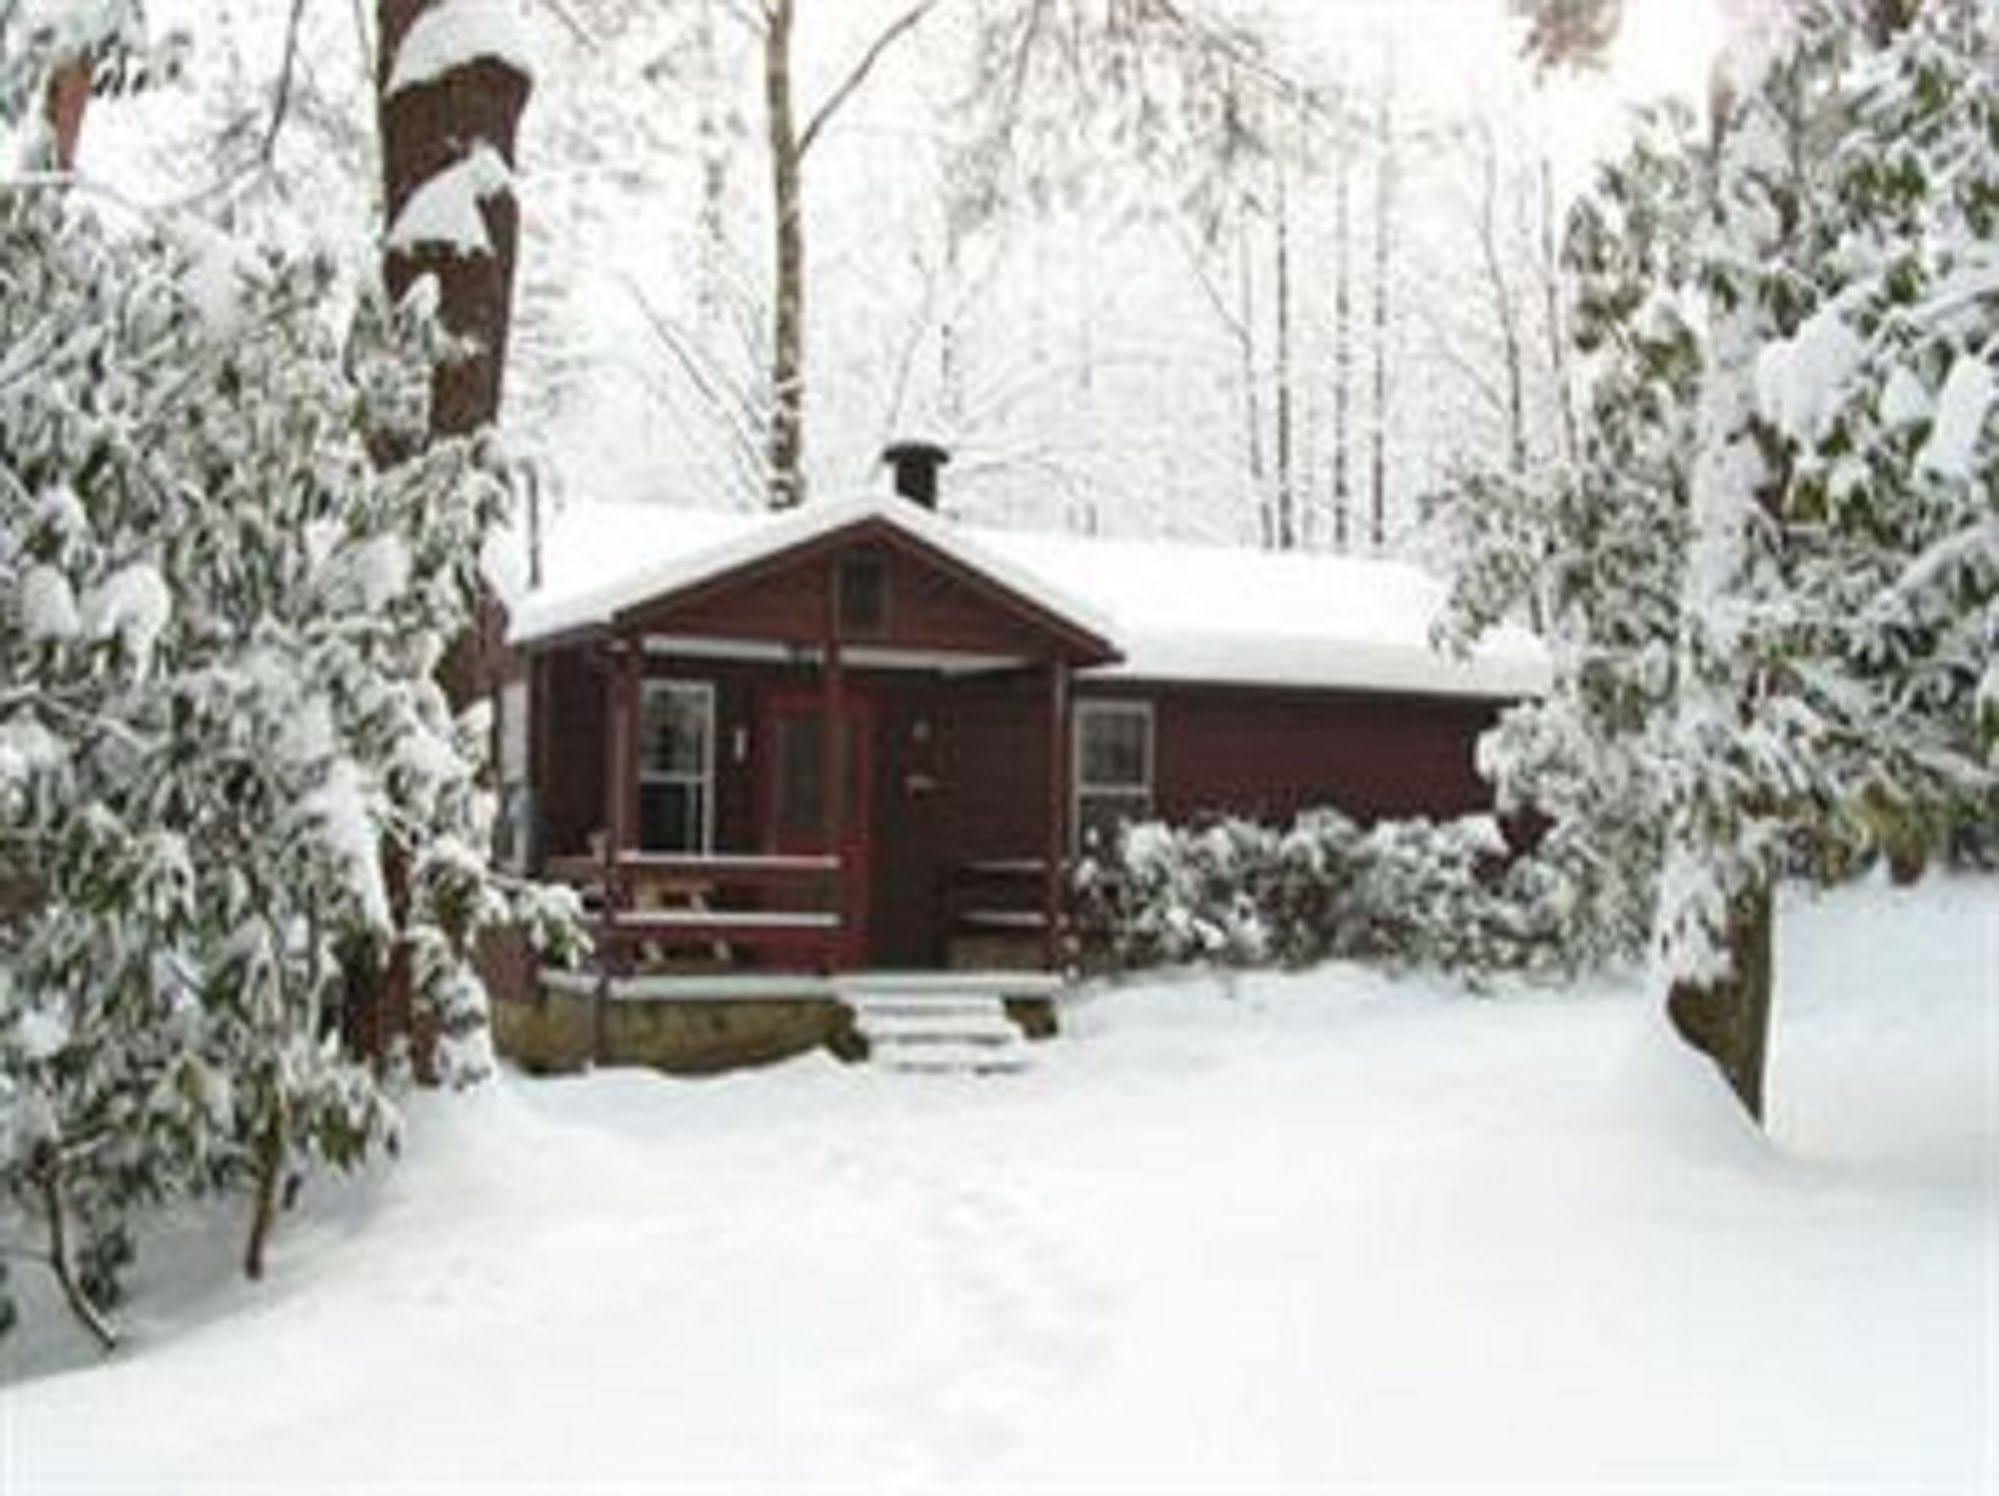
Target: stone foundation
point(555, 1022)
point(559, 1031)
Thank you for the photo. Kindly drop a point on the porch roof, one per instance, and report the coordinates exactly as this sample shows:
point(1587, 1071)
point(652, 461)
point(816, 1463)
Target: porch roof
point(1176, 611)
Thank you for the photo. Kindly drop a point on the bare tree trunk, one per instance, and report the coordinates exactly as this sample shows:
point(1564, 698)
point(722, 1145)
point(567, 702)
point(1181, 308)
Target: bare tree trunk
point(428, 128)
point(1286, 528)
point(714, 170)
point(786, 451)
point(64, 103)
point(1252, 378)
point(47, 1174)
point(1729, 1021)
point(1503, 301)
point(1384, 208)
point(1558, 339)
point(271, 1154)
point(1342, 330)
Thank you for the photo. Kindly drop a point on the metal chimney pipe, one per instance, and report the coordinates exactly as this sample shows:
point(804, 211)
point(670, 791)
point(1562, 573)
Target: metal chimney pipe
point(916, 465)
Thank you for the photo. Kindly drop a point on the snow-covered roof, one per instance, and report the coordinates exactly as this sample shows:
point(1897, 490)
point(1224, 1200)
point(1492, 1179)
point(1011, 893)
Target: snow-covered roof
point(1176, 611)
point(600, 559)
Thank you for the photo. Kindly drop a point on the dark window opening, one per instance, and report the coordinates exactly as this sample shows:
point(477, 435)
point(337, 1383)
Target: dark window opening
point(1114, 771)
point(863, 594)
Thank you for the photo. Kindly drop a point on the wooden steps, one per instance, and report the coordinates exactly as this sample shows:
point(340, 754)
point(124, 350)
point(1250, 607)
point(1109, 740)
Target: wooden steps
point(946, 1032)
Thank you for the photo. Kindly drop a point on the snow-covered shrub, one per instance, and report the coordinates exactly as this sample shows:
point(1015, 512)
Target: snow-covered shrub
point(228, 779)
point(1310, 889)
point(1444, 894)
point(1186, 894)
point(1769, 571)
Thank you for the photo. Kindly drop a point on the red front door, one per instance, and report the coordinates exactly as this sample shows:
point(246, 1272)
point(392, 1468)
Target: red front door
point(792, 796)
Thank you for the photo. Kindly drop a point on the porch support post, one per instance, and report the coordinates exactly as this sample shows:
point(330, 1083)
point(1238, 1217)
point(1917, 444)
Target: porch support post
point(624, 829)
point(540, 769)
point(833, 765)
point(621, 757)
point(1052, 899)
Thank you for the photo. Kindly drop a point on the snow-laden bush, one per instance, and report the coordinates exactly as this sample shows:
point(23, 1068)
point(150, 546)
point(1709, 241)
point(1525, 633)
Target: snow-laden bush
point(1407, 893)
point(232, 794)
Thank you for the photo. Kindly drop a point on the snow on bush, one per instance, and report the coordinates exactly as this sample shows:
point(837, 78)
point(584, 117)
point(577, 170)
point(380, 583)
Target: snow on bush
point(1448, 895)
point(1769, 576)
point(229, 783)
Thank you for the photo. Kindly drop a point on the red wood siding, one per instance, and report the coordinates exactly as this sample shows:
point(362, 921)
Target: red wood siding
point(1264, 754)
point(973, 784)
point(993, 769)
point(786, 602)
point(569, 789)
point(1268, 754)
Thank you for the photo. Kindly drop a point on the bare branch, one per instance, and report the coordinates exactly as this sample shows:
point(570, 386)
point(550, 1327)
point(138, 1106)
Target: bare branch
point(283, 99)
point(859, 75)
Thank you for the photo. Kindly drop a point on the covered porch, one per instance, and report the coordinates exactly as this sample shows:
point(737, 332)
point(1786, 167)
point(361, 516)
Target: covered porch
point(844, 750)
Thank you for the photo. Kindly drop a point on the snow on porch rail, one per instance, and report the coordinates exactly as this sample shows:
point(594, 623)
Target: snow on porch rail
point(998, 895)
point(738, 987)
point(656, 904)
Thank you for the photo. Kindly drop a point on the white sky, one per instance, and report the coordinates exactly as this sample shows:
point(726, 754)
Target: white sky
point(1448, 51)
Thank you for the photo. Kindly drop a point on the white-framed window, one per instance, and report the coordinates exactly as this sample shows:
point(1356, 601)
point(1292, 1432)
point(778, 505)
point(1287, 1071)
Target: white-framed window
point(1113, 770)
point(676, 766)
point(513, 827)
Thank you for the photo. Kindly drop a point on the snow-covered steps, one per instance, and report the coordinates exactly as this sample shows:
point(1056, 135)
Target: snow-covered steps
point(938, 1032)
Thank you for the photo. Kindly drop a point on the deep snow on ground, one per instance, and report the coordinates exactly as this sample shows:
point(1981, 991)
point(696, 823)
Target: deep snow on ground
point(1333, 1231)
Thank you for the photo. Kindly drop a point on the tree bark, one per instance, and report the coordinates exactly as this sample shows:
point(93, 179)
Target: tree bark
point(1729, 1021)
point(1384, 208)
point(426, 129)
point(1558, 340)
point(271, 1152)
point(64, 103)
point(714, 171)
point(786, 452)
point(47, 1174)
point(1342, 330)
point(1252, 398)
point(1286, 437)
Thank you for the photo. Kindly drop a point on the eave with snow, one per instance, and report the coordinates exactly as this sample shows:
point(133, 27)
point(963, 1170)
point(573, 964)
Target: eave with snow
point(994, 699)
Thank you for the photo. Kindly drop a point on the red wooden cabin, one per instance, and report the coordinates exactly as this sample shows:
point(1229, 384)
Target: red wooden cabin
point(994, 700)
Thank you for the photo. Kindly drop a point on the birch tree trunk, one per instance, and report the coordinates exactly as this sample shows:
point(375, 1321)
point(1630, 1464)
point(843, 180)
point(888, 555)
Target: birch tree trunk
point(714, 171)
point(1342, 329)
point(1557, 323)
point(785, 454)
point(1286, 528)
point(1384, 216)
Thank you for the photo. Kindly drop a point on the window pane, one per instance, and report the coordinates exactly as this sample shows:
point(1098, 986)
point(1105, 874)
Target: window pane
point(674, 729)
point(671, 814)
point(1100, 814)
point(1115, 750)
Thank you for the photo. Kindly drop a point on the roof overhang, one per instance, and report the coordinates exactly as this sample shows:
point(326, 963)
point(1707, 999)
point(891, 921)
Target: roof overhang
point(1075, 630)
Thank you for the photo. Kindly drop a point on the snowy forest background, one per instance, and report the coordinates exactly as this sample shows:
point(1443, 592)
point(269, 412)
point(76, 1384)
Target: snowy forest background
point(1120, 322)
